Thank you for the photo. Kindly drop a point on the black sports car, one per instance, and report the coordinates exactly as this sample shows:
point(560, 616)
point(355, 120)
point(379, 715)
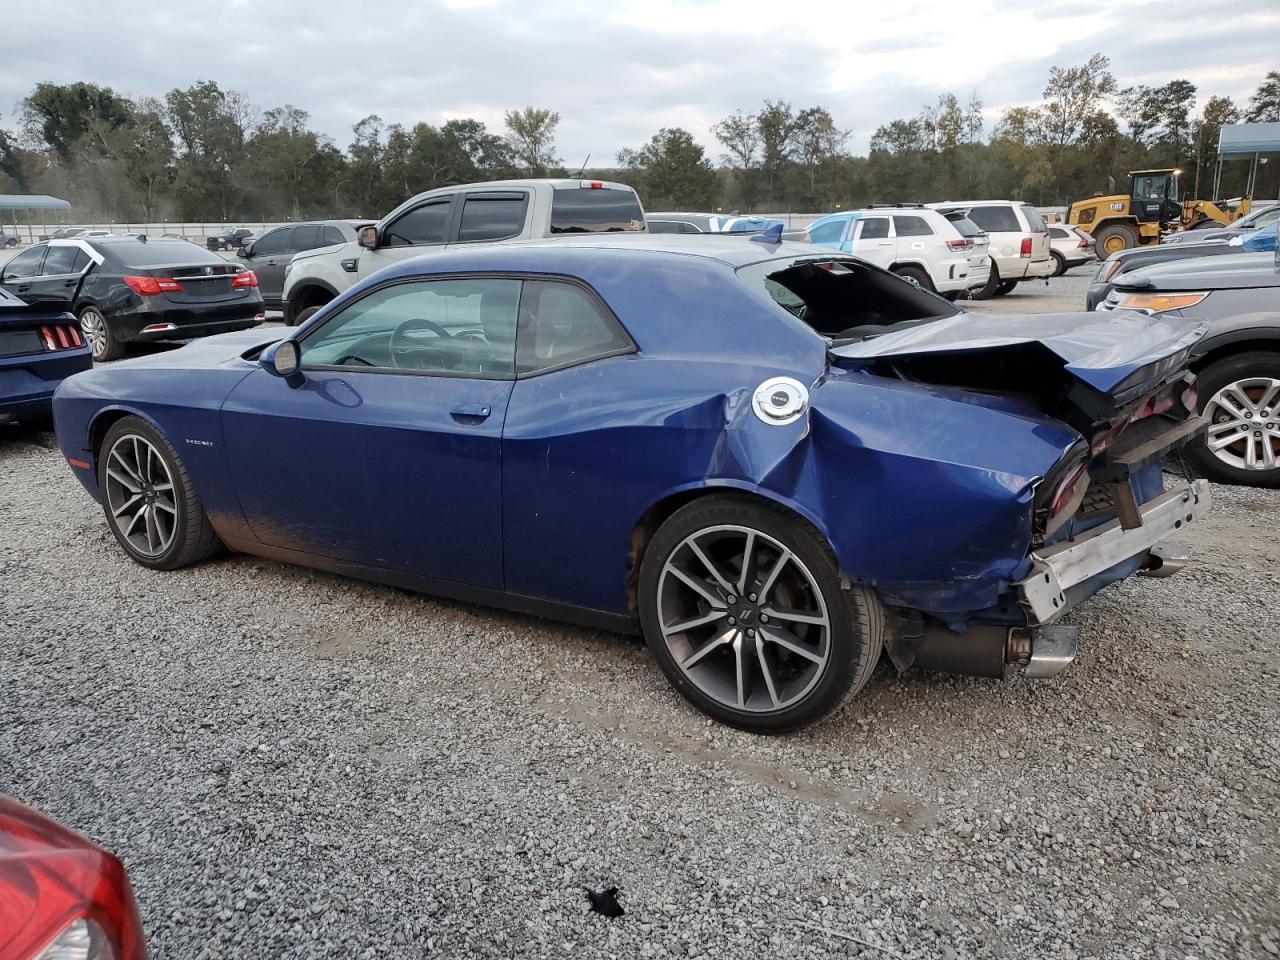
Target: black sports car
point(125, 289)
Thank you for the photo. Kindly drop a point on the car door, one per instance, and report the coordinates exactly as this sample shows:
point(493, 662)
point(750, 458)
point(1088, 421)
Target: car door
point(832, 232)
point(874, 241)
point(61, 274)
point(20, 274)
point(388, 454)
point(267, 257)
point(412, 233)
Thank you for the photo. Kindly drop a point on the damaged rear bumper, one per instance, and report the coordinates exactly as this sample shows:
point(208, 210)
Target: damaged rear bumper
point(1058, 568)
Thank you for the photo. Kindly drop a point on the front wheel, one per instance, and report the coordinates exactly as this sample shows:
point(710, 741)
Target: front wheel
point(1240, 397)
point(149, 500)
point(742, 607)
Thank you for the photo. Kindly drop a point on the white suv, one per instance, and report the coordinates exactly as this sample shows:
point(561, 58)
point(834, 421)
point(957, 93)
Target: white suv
point(495, 212)
point(1019, 241)
point(912, 241)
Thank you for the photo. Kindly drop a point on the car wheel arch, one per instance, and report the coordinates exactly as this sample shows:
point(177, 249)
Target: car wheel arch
point(313, 293)
point(108, 417)
point(1238, 341)
point(659, 510)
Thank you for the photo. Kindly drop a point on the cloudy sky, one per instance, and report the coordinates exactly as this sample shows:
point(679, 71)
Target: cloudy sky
point(617, 71)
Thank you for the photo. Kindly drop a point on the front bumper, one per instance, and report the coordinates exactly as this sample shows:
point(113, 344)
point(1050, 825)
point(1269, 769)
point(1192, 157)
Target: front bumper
point(1058, 568)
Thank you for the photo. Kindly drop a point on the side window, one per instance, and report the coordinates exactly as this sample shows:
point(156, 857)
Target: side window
point(428, 223)
point(333, 235)
point(875, 228)
point(492, 216)
point(26, 264)
point(462, 328)
point(912, 227)
point(61, 260)
point(1057, 233)
point(996, 219)
point(274, 243)
point(830, 232)
point(561, 323)
point(1267, 217)
point(305, 238)
point(665, 226)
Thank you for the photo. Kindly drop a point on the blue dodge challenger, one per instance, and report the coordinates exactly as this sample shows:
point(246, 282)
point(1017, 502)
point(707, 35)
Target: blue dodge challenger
point(772, 461)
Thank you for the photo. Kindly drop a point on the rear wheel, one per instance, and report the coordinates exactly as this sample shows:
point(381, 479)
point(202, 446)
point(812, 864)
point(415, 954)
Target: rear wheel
point(102, 341)
point(742, 607)
point(1059, 263)
point(988, 289)
point(1005, 286)
point(1240, 397)
point(148, 498)
point(918, 275)
point(1113, 238)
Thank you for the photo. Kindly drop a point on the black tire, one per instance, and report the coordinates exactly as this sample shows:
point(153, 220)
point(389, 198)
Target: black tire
point(856, 616)
point(917, 274)
point(1005, 287)
point(1108, 240)
point(305, 315)
point(193, 538)
point(1059, 263)
point(106, 345)
point(988, 289)
point(953, 295)
point(1222, 373)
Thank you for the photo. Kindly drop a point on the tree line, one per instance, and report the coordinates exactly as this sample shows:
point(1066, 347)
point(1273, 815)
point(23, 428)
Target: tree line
point(203, 153)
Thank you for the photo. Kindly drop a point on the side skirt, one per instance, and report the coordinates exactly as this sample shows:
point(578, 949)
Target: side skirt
point(447, 589)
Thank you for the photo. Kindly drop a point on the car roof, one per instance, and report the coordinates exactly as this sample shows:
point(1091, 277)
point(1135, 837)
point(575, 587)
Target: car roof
point(728, 249)
point(978, 203)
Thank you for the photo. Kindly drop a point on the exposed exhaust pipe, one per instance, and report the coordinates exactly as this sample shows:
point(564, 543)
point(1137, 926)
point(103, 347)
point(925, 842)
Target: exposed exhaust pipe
point(992, 651)
point(1165, 559)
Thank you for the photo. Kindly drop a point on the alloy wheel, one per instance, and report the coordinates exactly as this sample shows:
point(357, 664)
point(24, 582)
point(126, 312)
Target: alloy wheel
point(140, 495)
point(94, 327)
point(743, 618)
point(1244, 424)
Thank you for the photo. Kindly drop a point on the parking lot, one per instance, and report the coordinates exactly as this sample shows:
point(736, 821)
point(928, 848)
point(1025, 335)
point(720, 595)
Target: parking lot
point(294, 764)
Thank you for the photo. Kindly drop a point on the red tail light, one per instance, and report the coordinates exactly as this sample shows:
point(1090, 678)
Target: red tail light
point(60, 895)
point(245, 278)
point(1069, 488)
point(961, 244)
point(152, 286)
point(60, 337)
point(1085, 243)
point(1026, 247)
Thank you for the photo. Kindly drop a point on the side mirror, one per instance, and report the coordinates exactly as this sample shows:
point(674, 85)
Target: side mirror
point(245, 252)
point(369, 238)
point(284, 361)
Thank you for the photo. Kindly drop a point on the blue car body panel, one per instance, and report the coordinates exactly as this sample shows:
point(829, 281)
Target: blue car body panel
point(29, 371)
point(926, 492)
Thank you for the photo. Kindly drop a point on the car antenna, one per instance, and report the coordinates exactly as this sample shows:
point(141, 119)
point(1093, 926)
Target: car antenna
point(772, 235)
point(582, 169)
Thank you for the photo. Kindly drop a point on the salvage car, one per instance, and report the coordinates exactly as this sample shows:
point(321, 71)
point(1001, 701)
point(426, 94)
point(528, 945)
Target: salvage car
point(132, 289)
point(1238, 362)
point(61, 897)
point(712, 441)
point(39, 347)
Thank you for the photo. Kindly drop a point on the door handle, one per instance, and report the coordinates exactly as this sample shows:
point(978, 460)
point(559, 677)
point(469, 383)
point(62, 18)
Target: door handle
point(886, 243)
point(471, 413)
point(71, 283)
point(24, 287)
point(271, 262)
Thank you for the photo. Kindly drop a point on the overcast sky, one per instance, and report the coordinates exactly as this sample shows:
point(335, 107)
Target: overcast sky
point(618, 70)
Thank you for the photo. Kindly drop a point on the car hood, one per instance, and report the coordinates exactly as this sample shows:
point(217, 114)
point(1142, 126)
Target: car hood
point(1200, 273)
point(1117, 357)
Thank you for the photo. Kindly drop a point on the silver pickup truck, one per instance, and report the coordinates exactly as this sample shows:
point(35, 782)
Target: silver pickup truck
point(495, 212)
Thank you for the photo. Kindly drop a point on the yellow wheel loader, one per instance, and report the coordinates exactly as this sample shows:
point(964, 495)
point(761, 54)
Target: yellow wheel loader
point(1151, 209)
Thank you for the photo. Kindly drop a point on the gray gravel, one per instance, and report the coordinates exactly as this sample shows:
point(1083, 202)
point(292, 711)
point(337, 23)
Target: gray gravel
point(292, 764)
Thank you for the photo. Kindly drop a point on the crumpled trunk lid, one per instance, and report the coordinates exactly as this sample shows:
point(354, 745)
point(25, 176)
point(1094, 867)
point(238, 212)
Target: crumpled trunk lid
point(1084, 368)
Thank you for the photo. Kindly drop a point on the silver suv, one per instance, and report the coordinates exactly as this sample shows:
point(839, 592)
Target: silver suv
point(495, 212)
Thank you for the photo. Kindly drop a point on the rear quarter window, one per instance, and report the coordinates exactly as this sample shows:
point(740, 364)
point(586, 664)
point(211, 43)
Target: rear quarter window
point(1035, 222)
point(964, 226)
point(912, 226)
point(582, 210)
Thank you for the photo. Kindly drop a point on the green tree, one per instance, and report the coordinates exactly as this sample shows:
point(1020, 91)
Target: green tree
point(674, 172)
point(292, 163)
point(212, 170)
point(59, 115)
point(818, 143)
point(365, 167)
point(531, 133)
point(739, 134)
point(1264, 104)
point(11, 173)
point(777, 126)
point(1217, 112)
point(1159, 118)
point(1073, 96)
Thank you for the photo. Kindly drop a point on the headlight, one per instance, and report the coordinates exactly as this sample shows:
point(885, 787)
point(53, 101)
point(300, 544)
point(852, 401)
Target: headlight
point(79, 940)
point(1159, 302)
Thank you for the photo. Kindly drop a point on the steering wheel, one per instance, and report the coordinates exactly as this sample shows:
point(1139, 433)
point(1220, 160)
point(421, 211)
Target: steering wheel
point(401, 347)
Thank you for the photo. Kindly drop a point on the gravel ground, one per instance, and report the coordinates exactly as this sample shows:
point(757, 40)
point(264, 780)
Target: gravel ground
point(292, 764)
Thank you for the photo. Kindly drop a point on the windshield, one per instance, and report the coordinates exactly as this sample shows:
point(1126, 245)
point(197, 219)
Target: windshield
point(843, 299)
